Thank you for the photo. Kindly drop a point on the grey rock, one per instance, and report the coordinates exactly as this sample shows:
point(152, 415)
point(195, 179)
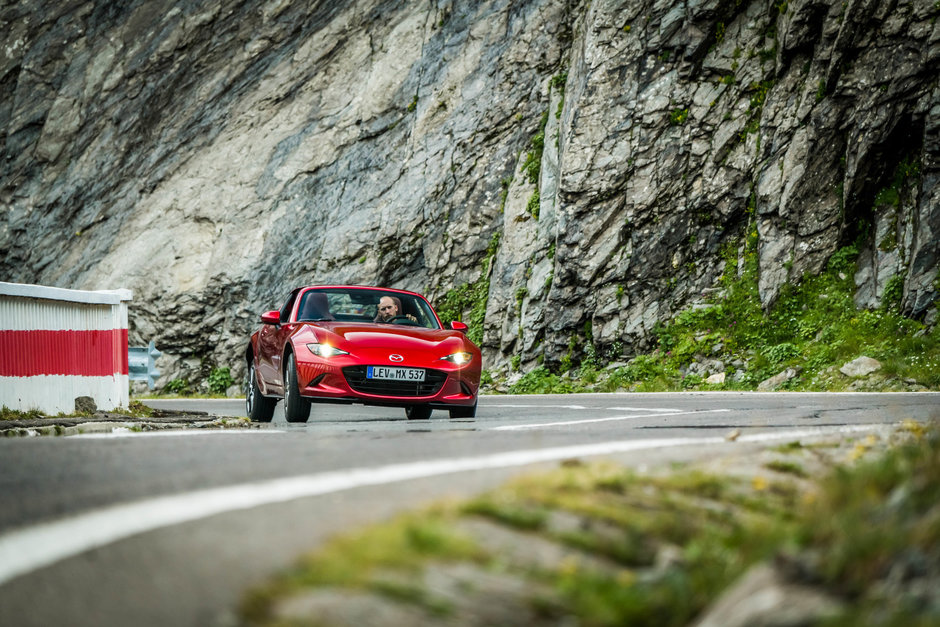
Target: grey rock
point(212, 157)
point(777, 380)
point(860, 367)
point(343, 607)
point(716, 379)
point(85, 405)
point(763, 598)
point(706, 367)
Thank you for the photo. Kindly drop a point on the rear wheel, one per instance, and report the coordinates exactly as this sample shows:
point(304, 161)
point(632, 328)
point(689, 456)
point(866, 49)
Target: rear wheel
point(296, 407)
point(463, 412)
point(258, 407)
point(418, 412)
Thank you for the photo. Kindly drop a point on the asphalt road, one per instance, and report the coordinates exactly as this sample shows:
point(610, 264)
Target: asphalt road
point(169, 529)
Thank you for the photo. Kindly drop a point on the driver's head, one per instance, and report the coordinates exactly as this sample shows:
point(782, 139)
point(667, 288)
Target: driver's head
point(387, 307)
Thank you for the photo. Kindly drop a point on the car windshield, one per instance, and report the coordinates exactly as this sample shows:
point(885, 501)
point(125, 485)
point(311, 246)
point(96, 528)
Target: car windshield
point(362, 305)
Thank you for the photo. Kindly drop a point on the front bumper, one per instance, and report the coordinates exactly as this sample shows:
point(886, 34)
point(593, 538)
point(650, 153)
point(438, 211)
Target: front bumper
point(347, 383)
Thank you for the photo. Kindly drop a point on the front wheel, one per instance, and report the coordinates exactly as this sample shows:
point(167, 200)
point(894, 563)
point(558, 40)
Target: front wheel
point(418, 412)
point(258, 407)
point(296, 407)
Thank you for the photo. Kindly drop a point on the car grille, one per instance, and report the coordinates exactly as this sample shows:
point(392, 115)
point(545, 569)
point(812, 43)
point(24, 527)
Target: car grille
point(356, 377)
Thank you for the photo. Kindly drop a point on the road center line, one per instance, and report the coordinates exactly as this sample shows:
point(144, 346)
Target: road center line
point(585, 421)
point(25, 550)
point(658, 409)
point(488, 405)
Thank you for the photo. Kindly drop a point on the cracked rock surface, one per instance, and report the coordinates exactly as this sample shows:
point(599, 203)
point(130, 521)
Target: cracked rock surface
point(213, 155)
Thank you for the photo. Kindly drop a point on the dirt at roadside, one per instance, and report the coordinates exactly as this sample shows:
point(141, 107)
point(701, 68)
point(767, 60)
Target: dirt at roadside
point(103, 422)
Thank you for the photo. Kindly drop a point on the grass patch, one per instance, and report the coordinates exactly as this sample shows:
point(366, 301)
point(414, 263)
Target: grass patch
point(672, 542)
point(786, 467)
point(359, 561)
point(15, 414)
point(876, 515)
point(519, 516)
point(813, 327)
point(789, 447)
point(542, 381)
point(532, 166)
point(135, 408)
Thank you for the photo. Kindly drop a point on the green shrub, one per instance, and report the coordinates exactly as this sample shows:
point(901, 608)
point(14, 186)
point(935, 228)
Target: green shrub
point(894, 292)
point(814, 325)
point(781, 353)
point(533, 205)
point(678, 117)
point(178, 386)
point(542, 381)
point(532, 166)
point(220, 380)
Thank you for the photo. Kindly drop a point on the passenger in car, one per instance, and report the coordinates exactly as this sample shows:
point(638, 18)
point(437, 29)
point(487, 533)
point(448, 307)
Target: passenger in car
point(316, 307)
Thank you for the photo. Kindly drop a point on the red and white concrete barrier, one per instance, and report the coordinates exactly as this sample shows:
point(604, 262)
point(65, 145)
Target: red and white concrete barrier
point(58, 344)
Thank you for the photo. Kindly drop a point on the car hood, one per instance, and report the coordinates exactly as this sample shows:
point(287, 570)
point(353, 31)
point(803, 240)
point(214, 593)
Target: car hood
point(391, 336)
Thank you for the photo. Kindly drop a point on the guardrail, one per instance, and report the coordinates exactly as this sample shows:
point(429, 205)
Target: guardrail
point(59, 344)
point(140, 363)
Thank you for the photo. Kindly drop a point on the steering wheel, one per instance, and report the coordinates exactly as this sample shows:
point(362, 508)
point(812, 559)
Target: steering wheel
point(403, 320)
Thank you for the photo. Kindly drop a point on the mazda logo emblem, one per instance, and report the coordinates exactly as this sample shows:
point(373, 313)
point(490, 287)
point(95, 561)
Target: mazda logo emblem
point(396, 358)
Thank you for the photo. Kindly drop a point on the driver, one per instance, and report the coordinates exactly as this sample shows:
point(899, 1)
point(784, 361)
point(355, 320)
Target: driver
point(390, 307)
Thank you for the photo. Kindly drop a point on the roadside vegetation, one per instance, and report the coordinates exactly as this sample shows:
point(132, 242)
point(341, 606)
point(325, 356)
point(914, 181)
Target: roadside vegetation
point(215, 385)
point(15, 414)
point(134, 409)
point(813, 329)
point(851, 524)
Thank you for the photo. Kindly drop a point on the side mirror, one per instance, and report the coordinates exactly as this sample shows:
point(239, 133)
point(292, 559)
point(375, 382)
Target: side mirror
point(271, 317)
point(456, 325)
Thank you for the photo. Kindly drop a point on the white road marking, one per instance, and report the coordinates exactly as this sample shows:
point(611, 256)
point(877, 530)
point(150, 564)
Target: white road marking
point(25, 550)
point(564, 423)
point(518, 406)
point(488, 405)
point(659, 409)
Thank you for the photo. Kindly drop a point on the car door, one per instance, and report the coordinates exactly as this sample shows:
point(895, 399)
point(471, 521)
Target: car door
point(271, 339)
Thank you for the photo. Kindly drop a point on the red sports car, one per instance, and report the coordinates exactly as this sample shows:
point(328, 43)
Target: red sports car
point(369, 345)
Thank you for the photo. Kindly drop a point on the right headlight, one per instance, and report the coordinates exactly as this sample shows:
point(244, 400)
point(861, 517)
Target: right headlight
point(460, 358)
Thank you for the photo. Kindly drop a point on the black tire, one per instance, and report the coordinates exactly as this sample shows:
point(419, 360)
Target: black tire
point(258, 407)
point(296, 407)
point(418, 412)
point(464, 412)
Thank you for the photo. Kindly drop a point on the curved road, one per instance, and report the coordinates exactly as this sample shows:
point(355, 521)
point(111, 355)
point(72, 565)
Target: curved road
point(170, 528)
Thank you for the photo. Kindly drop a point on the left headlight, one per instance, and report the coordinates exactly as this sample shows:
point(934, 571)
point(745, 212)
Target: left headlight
point(325, 350)
point(460, 358)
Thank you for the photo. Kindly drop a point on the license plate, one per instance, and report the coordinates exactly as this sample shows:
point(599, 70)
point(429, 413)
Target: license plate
point(395, 374)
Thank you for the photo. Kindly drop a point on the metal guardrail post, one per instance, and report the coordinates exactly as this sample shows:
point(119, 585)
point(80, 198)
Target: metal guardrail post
point(140, 364)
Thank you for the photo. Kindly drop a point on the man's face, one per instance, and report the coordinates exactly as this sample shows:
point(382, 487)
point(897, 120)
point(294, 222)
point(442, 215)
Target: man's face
point(387, 308)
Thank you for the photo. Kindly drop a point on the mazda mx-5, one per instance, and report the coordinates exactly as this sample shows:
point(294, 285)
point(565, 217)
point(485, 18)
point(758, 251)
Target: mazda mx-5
point(354, 344)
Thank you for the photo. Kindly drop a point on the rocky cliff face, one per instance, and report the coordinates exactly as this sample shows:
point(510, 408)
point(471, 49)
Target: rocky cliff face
point(590, 166)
